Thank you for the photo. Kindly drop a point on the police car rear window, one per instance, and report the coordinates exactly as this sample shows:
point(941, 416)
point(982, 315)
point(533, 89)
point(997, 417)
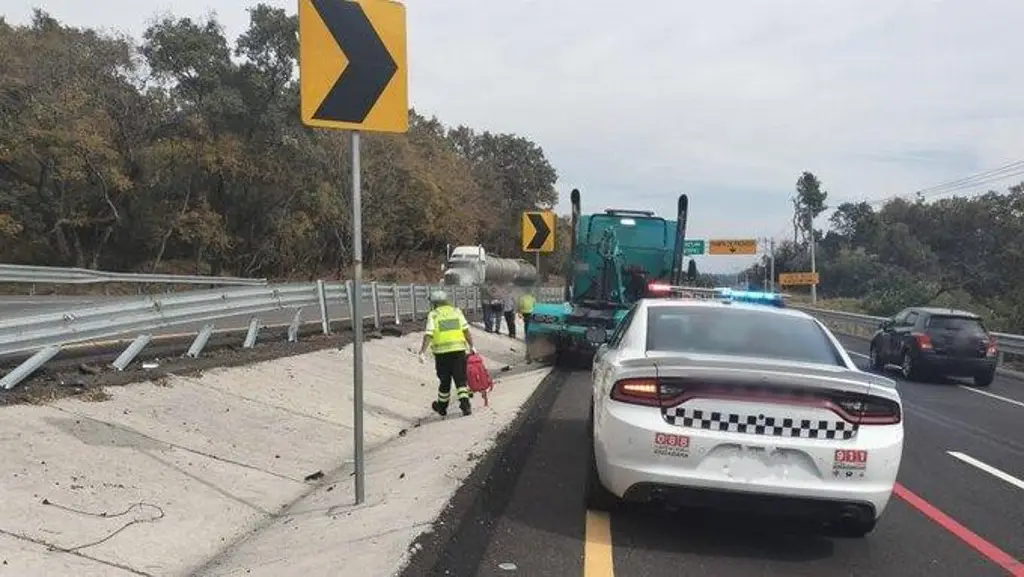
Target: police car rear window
point(739, 332)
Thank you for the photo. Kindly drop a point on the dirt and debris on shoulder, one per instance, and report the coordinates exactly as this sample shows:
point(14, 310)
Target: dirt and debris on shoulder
point(84, 376)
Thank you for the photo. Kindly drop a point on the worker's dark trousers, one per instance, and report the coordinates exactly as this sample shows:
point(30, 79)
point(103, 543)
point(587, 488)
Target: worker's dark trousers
point(510, 320)
point(451, 366)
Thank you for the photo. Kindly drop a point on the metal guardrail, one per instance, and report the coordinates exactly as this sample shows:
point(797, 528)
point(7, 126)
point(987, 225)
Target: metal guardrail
point(30, 274)
point(864, 326)
point(46, 334)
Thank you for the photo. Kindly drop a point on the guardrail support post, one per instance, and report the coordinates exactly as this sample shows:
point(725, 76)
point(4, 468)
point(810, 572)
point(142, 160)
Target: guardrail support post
point(321, 298)
point(397, 303)
point(376, 305)
point(250, 337)
point(31, 365)
point(128, 355)
point(412, 294)
point(201, 339)
point(348, 295)
point(293, 329)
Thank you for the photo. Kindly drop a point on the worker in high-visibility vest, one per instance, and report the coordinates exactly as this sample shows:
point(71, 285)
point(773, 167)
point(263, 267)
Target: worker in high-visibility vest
point(525, 309)
point(447, 336)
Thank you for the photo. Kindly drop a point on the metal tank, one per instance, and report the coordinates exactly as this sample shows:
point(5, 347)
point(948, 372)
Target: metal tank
point(467, 267)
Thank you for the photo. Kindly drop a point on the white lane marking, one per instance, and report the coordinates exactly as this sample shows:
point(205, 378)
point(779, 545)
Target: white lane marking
point(861, 355)
point(993, 395)
point(988, 469)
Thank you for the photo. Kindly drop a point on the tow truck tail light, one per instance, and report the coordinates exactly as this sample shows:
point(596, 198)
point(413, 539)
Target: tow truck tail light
point(924, 342)
point(869, 410)
point(659, 288)
point(645, 391)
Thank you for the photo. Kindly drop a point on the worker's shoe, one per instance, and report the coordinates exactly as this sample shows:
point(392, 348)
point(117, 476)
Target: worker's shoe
point(440, 408)
point(467, 409)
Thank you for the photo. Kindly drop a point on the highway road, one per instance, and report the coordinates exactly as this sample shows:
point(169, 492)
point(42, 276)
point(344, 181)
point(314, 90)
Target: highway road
point(958, 509)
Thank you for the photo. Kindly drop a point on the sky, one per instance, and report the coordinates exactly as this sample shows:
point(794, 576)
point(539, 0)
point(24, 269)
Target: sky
point(727, 101)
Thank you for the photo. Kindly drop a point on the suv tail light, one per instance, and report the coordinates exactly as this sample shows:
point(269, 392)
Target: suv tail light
point(646, 391)
point(868, 410)
point(924, 342)
point(991, 350)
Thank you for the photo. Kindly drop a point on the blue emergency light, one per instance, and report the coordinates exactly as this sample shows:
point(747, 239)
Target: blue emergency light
point(756, 297)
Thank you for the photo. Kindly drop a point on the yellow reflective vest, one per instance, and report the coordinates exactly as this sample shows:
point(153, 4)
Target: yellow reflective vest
point(526, 304)
point(447, 323)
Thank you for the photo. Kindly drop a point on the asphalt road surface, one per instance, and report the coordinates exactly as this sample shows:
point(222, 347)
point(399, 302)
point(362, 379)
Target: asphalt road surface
point(958, 508)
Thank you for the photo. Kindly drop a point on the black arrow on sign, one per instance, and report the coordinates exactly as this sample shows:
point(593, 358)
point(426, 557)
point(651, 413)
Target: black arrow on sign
point(542, 232)
point(370, 66)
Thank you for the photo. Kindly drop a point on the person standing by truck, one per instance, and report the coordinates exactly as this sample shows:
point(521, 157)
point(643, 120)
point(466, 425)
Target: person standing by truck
point(524, 306)
point(447, 334)
point(508, 309)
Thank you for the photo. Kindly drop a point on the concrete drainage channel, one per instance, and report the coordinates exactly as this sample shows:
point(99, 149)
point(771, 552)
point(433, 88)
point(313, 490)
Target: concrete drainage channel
point(228, 451)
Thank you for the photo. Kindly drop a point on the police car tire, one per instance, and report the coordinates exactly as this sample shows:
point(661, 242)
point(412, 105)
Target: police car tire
point(597, 497)
point(854, 530)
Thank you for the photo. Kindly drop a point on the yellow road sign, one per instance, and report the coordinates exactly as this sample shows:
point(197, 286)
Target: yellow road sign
point(539, 231)
point(733, 246)
point(798, 278)
point(352, 65)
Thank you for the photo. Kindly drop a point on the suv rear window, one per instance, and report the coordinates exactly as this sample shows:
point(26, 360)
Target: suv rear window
point(959, 324)
point(739, 332)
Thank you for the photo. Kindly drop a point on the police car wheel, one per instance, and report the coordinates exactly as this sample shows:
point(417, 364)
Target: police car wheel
point(853, 529)
point(597, 498)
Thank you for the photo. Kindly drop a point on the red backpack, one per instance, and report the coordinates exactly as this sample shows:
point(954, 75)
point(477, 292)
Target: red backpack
point(479, 379)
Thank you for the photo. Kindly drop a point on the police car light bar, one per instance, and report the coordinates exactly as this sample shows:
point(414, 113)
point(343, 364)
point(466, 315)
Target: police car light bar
point(768, 298)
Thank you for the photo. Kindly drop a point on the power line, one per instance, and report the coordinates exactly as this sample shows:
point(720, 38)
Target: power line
point(1010, 170)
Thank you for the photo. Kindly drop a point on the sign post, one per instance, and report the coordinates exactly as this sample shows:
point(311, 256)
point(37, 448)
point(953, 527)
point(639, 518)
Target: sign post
point(353, 76)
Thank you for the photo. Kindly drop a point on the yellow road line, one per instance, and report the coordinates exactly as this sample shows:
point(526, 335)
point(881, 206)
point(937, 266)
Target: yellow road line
point(597, 546)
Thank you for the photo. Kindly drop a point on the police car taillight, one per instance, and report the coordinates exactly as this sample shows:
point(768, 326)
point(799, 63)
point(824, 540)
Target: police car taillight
point(658, 289)
point(867, 410)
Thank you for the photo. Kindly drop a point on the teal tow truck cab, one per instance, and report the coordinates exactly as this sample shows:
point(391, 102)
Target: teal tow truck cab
point(614, 256)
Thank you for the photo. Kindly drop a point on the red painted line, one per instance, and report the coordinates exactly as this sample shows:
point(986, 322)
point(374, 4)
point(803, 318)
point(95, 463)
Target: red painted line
point(972, 539)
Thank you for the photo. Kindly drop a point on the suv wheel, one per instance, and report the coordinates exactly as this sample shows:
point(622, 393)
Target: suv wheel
point(875, 359)
point(908, 368)
point(985, 379)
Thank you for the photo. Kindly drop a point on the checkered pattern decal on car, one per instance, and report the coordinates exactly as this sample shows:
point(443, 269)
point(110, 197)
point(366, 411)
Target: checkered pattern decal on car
point(802, 428)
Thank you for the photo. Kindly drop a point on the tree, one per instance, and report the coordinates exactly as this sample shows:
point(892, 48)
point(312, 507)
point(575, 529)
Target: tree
point(691, 271)
point(808, 203)
point(184, 153)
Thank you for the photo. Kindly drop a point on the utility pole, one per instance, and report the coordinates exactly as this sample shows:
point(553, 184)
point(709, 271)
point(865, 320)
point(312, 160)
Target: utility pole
point(764, 265)
point(771, 259)
point(814, 266)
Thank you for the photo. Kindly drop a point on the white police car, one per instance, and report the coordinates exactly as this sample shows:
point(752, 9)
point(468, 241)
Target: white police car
point(725, 403)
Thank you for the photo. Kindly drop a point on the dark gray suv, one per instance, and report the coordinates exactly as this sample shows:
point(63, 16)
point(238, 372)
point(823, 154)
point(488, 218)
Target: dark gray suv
point(933, 342)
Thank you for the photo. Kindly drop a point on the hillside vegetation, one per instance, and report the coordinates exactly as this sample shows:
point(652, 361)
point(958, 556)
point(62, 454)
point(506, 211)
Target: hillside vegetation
point(963, 252)
point(184, 153)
